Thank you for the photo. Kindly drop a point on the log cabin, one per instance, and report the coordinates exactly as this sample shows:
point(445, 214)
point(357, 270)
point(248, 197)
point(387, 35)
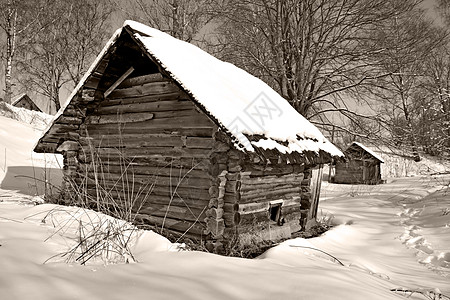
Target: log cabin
point(24, 101)
point(205, 150)
point(361, 166)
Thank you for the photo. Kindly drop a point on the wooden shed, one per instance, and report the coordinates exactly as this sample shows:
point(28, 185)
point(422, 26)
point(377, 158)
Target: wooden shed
point(205, 150)
point(361, 166)
point(25, 101)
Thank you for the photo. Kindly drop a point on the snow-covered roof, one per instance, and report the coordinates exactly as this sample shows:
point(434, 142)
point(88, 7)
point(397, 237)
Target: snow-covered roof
point(242, 104)
point(20, 97)
point(368, 151)
point(27, 99)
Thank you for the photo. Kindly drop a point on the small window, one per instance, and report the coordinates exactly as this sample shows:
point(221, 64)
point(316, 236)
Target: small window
point(275, 213)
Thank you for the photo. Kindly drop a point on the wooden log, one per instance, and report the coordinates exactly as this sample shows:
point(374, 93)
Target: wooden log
point(144, 197)
point(118, 82)
point(253, 219)
point(131, 128)
point(93, 80)
point(214, 213)
point(46, 147)
point(160, 106)
point(270, 195)
point(150, 152)
point(172, 208)
point(272, 179)
point(145, 170)
point(198, 195)
point(62, 128)
point(111, 179)
point(232, 186)
point(152, 88)
point(87, 95)
point(63, 119)
point(199, 142)
point(117, 159)
point(191, 121)
point(215, 227)
point(174, 212)
point(68, 146)
point(231, 198)
point(266, 186)
point(230, 208)
point(221, 146)
point(132, 141)
point(213, 191)
point(140, 80)
point(181, 226)
point(306, 196)
point(178, 96)
point(305, 204)
point(232, 219)
point(119, 118)
point(262, 170)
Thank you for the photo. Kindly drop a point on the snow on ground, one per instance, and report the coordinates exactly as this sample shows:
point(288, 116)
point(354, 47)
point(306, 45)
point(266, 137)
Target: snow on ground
point(394, 235)
point(18, 164)
point(368, 240)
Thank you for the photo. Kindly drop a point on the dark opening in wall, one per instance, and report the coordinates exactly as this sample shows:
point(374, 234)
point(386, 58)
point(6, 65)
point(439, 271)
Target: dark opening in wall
point(275, 213)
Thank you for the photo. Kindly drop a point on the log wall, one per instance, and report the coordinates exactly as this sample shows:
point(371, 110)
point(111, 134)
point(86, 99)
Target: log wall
point(357, 171)
point(147, 142)
point(251, 186)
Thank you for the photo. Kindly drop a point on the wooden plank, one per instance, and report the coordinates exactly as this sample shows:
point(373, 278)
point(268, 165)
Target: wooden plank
point(140, 198)
point(174, 212)
point(271, 194)
point(316, 182)
point(117, 158)
point(164, 152)
point(145, 170)
point(172, 224)
point(140, 80)
point(63, 119)
point(199, 142)
point(144, 180)
point(160, 106)
point(174, 123)
point(125, 142)
point(118, 82)
point(119, 118)
point(178, 95)
point(152, 88)
point(295, 177)
point(131, 128)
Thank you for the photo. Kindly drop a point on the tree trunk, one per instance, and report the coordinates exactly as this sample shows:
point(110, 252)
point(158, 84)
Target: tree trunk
point(8, 76)
point(10, 51)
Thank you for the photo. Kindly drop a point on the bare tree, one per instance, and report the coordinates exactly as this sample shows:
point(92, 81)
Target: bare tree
point(183, 19)
point(309, 50)
point(406, 42)
point(85, 29)
point(435, 101)
point(61, 53)
point(18, 20)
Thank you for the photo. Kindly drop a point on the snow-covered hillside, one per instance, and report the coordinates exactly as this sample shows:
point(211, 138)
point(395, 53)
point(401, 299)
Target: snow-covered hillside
point(390, 236)
point(18, 164)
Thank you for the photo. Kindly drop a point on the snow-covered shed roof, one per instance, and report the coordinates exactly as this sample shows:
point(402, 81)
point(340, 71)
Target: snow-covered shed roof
point(25, 98)
point(243, 105)
point(369, 151)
